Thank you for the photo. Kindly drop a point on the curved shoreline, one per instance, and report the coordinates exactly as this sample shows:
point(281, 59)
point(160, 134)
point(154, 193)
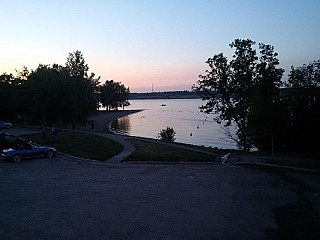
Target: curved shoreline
point(103, 119)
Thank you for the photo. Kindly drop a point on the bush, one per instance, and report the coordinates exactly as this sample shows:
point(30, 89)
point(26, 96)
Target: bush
point(167, 134)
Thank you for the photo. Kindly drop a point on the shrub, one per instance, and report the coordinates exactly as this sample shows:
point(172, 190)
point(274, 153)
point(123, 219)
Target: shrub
point(167, 134)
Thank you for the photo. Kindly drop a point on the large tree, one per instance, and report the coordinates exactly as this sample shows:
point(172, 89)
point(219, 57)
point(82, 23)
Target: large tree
point(76, 64)
point(62, 93)
point(84, 99)
point(49, 93)
point(266, 116)
point(229, 86)
point(114, 95)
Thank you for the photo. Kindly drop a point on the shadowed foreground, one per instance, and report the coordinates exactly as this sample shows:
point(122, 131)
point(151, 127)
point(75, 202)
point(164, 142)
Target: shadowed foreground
point(63, 198)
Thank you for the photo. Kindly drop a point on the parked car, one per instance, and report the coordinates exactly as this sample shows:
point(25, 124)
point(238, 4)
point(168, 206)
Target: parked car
point(25, 150)
point(5, 125)
point(8, 140)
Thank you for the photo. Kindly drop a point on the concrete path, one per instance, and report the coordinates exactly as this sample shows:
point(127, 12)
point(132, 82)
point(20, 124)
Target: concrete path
point(128, 147)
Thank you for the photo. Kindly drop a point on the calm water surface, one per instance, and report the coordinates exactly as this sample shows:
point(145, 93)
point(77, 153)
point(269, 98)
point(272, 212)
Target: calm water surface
point(183, 115)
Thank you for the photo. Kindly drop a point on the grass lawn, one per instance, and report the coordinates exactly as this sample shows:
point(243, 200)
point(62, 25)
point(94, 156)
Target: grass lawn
point(90, 146)
point(146, 151)
point(80, 144)
point(208, 149)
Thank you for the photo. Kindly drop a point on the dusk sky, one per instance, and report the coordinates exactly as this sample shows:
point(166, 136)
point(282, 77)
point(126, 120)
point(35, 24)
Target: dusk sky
point(145, 42)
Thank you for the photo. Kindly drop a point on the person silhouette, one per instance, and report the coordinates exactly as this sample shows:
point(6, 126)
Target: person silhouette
point(54, 131)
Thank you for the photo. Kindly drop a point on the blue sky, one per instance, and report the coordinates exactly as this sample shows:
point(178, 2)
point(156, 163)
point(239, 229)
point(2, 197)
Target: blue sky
point(163, 42)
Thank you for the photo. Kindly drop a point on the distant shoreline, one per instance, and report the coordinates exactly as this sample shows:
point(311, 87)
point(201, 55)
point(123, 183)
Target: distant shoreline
point(165, 95)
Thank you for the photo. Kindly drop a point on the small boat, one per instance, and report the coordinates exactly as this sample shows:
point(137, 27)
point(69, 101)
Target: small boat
point(163, 105)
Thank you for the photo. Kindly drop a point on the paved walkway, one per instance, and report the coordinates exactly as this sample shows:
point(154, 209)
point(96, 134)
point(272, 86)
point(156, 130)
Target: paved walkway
point(128, 147)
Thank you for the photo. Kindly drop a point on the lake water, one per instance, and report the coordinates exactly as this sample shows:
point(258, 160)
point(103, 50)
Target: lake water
point(183, 115)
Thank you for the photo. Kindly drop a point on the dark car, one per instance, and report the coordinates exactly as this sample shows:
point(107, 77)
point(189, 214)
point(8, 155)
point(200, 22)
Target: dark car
point(5, 124)
point(8, 140)
point(25, 150)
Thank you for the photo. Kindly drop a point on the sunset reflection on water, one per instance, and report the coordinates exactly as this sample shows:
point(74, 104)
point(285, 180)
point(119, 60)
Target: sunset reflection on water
point(191, 125)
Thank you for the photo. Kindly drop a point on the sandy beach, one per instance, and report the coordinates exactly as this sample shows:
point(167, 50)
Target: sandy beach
point(103, 119)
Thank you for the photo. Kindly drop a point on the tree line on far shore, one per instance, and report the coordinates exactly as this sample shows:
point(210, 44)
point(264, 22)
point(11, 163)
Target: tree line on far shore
point(58, 94)
point(268, 113)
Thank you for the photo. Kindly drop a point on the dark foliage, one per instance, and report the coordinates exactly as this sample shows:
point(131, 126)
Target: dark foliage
point(238, 88)
point(247, 92)
point(114, 95)
point(301, 99)
point(167, 134)
point(54, 94)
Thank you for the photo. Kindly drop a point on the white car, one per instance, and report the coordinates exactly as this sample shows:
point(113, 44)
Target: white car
point(5, 125)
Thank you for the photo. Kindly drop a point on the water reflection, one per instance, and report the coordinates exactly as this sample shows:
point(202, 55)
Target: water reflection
point(121, 125)
point(191, 125)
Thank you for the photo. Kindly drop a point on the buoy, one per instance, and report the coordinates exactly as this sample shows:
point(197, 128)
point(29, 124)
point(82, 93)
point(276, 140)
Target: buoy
point(190, 134)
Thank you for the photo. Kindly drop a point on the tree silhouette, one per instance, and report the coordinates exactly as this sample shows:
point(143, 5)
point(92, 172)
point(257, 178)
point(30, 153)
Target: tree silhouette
point(229, 87)
point(84, 89)
point(301, 99)
point(76, 65)
point(167, 134)
point(114, 95)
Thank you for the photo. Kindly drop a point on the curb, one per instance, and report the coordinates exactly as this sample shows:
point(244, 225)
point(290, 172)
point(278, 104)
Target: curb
point(177, 163)
point(278, 166)
point(78, 158)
